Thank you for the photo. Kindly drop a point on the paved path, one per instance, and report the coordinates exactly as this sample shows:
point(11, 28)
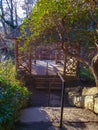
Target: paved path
point(48, 118)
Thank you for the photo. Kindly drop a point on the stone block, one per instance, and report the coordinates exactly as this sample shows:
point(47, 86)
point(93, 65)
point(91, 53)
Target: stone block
point(89, 102)
point(77, 101)
point(89, 91)
point(71, 100)
point(96, 105)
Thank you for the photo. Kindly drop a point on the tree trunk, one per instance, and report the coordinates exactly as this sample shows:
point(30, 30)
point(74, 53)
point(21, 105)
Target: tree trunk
point(16, 17)
point(94, 67)
point(97, 83)
point(2, 14)
point(11, 16)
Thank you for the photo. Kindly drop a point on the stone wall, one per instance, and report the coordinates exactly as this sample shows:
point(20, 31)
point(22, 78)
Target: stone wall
point(87, 99)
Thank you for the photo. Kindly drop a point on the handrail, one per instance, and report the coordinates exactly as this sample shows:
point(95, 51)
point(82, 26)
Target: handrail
point(47, 69)
point(62, 98)
point(61, 77)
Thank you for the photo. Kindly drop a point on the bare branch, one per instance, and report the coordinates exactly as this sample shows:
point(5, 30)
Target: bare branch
point(8, 5)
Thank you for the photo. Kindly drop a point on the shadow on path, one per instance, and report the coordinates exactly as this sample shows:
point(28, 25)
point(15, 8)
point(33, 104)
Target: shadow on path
point(74, 126)
point(33, 126)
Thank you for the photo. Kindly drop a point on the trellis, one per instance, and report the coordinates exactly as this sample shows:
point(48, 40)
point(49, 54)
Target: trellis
point(72, 65)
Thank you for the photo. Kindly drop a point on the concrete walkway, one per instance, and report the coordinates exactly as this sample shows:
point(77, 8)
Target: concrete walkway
point(48, 118)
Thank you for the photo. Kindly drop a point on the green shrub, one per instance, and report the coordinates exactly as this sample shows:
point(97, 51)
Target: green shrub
point(8, 71)
point(85, 73)
point(12, 99)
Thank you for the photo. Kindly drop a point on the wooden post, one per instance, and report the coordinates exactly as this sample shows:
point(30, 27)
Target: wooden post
point(62, 103)
point(78, 71)
point(30, 60)
point(56, 53)
point(62, 98)
point(65, 67)
point(34, 54)
point(16, 54)
point(65, 60)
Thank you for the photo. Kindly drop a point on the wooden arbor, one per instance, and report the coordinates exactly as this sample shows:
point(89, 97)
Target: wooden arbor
point(25, 57)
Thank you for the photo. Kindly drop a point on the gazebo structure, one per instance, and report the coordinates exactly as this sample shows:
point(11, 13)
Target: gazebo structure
point(43, 59)
point(34, 52)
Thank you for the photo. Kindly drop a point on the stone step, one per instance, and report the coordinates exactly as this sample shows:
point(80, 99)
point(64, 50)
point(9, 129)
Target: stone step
point(49, 79)
point(53, 88)
point(43, 82)
point(48, 82)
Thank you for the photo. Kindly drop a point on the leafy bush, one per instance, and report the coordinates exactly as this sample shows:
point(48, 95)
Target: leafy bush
point(12, 99)
point(8, 71)
point(85, 73)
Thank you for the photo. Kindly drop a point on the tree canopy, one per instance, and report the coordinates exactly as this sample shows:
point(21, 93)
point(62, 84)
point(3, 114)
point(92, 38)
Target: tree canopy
point(73, 20)
point(70, 22)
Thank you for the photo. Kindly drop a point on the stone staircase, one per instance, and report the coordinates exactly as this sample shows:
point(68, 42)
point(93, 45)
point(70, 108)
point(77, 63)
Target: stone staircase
point(48, 82)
